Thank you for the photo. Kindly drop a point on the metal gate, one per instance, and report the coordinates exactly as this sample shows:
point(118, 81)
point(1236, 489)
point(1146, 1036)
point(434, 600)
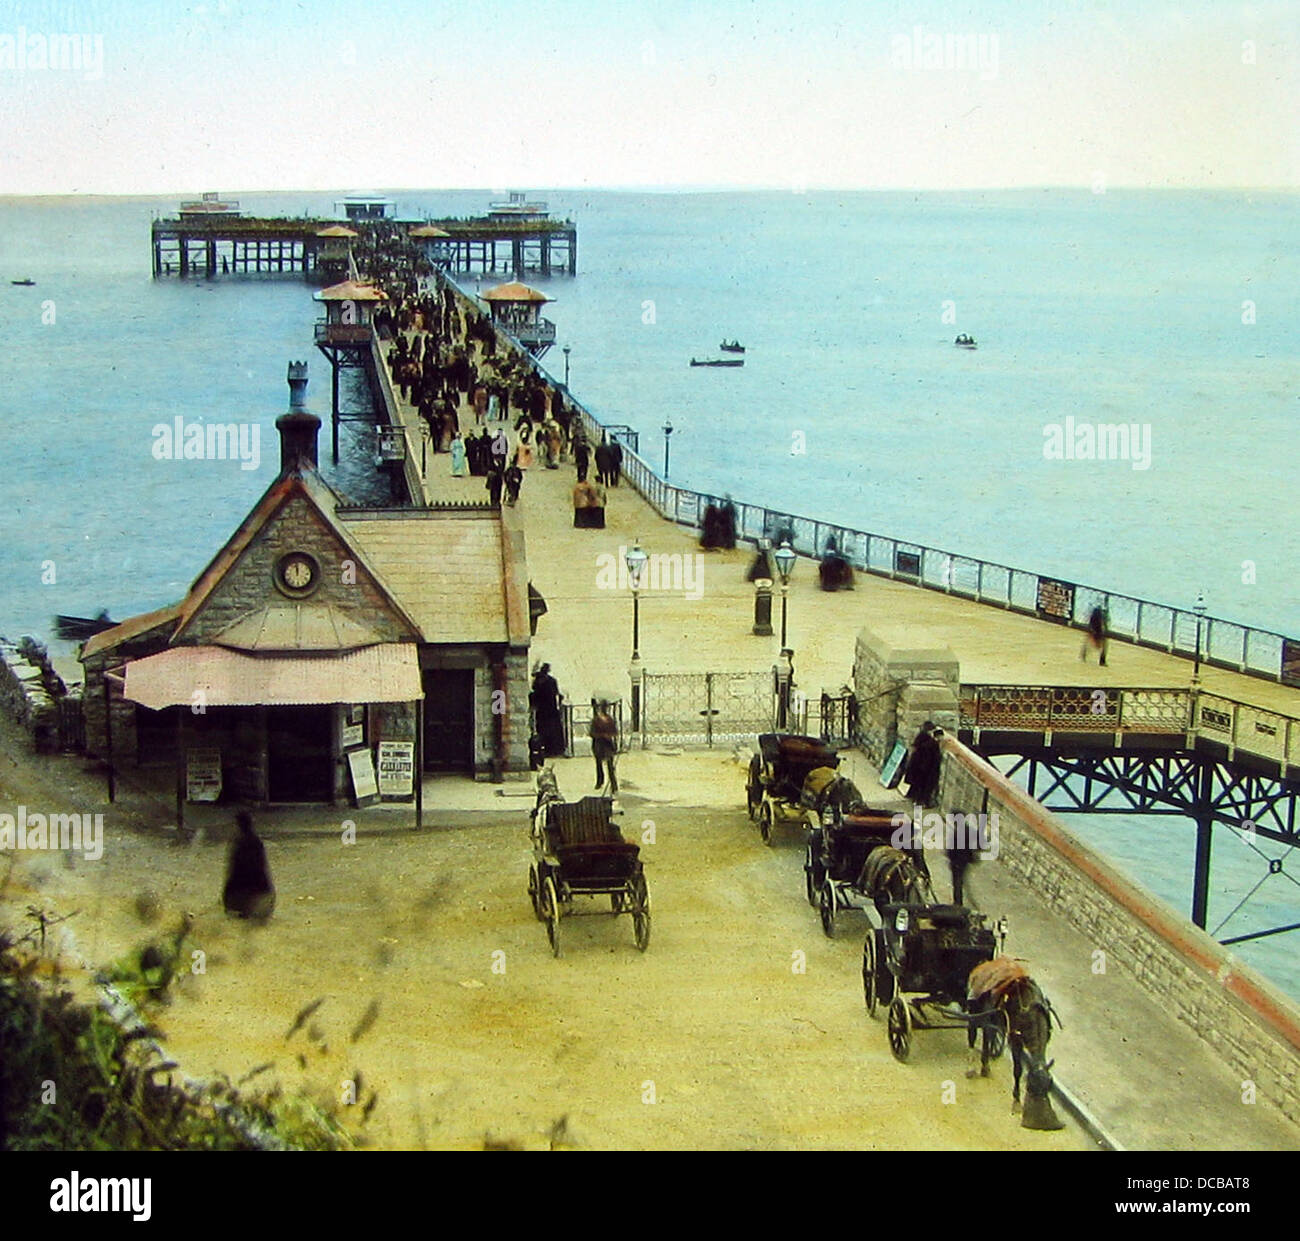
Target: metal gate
point(706, 708)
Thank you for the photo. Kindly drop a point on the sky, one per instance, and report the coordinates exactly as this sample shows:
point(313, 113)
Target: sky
point(164, 98)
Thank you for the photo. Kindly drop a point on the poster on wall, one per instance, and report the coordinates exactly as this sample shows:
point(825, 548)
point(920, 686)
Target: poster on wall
point(362, 767)
point(1055, 599)
point(396, 768)
point(354, 727)
point(892, 771)
point(203, 775)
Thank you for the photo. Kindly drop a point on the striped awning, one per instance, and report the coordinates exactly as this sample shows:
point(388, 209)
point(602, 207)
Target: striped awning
point(217, 677)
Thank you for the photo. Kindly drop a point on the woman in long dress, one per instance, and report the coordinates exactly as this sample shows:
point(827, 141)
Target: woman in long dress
point(524, 450)
point(458, 462)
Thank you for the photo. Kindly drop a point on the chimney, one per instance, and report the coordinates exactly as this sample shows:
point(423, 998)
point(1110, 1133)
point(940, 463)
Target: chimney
point(298, 428)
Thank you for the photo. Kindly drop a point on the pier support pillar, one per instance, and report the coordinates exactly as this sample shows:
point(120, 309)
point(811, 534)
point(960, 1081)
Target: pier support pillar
point(1204, 837)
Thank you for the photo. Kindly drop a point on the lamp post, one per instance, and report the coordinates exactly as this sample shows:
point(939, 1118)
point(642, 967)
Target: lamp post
point(636, 560)
point(566, 366)
point(668, 430)
point(784, 557)
point(1199, 609)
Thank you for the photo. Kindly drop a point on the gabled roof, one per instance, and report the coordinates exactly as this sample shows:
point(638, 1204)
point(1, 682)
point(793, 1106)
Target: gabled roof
point(305, 483)
point(337, 230)
point(428, 230)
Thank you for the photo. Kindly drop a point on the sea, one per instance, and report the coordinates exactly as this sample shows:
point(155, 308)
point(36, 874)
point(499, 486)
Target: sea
point(1171, 312)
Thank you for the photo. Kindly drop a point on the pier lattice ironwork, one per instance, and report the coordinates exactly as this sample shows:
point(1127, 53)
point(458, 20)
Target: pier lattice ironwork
point(1153, 751)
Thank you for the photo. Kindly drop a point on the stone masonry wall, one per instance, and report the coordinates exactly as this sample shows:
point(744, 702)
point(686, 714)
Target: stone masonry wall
point(1252, 1025)
point(249, 585)
point(899, 689)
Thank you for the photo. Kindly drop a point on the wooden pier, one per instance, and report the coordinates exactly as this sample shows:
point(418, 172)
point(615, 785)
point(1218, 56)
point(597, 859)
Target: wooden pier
point(233, 245)
point(207, 246)
point(539, 247)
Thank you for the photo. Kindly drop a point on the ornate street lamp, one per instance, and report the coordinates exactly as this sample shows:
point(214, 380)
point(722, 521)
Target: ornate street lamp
point(785, 558)
point(668, 430)
point(1199, 609)
point(636, 561)
point(566, 366)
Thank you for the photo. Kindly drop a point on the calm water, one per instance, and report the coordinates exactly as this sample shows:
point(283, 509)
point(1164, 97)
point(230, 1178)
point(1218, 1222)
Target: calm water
point(1123, 307)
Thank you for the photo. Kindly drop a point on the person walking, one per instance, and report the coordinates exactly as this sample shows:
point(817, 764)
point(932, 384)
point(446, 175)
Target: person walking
point(249, 892)
point(604, 743)
point(458, 461)
point(1096, 636)
point(581, 458)
point(514, 479)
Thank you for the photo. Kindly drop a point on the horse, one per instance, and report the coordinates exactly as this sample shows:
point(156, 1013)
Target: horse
point(1003, 985)
point(890, 877)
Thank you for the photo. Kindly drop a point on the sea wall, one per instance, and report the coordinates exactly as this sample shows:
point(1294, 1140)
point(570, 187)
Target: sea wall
point(1249, 1023)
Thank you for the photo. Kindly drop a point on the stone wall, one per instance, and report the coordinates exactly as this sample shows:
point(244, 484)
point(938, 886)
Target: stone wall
point(250, 585)
point(899, 689)
point(1252, 1025)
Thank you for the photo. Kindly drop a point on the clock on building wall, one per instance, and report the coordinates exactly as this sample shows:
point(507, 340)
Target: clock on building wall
point(297, 574)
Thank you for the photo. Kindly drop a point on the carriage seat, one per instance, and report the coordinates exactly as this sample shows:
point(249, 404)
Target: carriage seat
point(589, 821)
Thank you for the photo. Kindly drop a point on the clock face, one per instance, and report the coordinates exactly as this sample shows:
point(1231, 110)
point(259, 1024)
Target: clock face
point(297, 574)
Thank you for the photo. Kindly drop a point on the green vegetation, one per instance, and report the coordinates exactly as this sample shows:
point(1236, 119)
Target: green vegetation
point(73, 1077)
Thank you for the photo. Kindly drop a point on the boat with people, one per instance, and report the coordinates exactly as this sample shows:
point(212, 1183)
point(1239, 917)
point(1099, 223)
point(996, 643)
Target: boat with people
point(718, 362)
point(732, 346)
point(28, 281)
point(965, 342)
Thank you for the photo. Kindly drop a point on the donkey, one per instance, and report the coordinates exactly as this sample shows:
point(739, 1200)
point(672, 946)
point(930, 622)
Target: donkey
point(1003, 985)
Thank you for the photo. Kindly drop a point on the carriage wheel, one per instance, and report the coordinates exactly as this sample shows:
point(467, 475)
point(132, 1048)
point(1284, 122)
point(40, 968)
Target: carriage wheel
point(869, 972)
point(884, 979)
point(753, 787)
point(765, 821)
point(812, 879)
point(551, 912)
point(533, 894)
point(641, 913)
point(826, 904)
point(997, 1032)
point(900, 1028)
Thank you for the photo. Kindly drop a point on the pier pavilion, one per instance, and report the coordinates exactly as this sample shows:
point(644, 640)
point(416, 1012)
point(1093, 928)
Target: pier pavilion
point(317, 634)
point(516, 309)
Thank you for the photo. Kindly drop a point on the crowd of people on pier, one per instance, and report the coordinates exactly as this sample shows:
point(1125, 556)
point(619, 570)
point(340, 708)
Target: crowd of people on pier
point(481, 400)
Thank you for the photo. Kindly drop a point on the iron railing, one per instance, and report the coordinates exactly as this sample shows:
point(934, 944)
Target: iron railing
point(1193, 713)
point(1165, 627)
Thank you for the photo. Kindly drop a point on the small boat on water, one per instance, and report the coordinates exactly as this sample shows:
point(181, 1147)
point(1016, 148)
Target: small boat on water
point(965, 342)
point(733, 346)
point(718, 362)
point(29, 281)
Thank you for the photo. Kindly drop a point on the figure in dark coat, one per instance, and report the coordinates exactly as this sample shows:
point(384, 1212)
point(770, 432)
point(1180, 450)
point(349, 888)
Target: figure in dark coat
point(923, 766)
point(249, 892)
point(545, 700)
point(604, 464)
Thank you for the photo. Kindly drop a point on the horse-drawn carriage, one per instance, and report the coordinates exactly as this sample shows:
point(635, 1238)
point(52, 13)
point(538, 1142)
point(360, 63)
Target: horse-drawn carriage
point(578, 850)
point(853, 857)
point(919, 964)
point(790, 778)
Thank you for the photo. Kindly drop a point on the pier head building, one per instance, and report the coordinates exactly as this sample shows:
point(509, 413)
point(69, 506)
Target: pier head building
point(318, 633)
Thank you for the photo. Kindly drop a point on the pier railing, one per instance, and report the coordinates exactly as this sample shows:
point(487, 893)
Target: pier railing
point(1241, 727)
point(1163, 627)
